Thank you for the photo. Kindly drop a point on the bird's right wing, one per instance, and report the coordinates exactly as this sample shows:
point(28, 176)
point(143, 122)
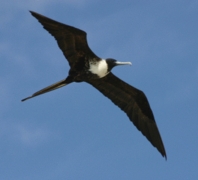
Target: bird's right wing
point(134, 103)
point(72, 41)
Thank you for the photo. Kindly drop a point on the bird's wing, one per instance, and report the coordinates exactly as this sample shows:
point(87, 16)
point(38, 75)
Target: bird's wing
point(71, 41)
point(134, 103)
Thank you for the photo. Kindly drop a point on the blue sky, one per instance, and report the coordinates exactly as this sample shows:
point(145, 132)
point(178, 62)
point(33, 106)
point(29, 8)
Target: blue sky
point(77, 133)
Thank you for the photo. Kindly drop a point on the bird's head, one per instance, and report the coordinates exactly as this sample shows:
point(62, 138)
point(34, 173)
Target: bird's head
point(112, 63)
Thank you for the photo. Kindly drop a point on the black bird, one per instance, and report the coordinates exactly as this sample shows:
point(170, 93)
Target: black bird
point(85, 66)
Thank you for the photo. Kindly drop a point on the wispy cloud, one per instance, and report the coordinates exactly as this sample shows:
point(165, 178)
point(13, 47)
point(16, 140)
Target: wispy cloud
point(37, 4)
point(31, 136)
point(25, 135)
point(4, 95)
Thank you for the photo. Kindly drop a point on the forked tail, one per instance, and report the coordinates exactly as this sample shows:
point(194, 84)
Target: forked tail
point(49, 88)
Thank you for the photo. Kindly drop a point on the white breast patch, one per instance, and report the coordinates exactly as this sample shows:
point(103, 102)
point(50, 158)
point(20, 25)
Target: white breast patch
point(100, 68)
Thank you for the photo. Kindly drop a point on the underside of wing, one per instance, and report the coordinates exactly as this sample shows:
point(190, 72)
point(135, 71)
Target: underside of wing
point(71, 41)
point(134, 103)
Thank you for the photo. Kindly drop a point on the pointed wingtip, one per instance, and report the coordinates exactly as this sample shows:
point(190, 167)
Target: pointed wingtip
point(163, 153)
point(165, 157)
point(32, 12)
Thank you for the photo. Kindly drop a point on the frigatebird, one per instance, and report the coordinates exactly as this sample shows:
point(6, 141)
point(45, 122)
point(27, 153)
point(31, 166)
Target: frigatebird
point(85, 66)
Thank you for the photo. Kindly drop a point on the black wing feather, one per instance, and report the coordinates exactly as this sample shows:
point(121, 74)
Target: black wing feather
point(71, 41)
point(134, 103)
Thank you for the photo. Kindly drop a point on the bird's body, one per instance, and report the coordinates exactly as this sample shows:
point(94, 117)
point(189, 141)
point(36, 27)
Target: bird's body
point(85, 66)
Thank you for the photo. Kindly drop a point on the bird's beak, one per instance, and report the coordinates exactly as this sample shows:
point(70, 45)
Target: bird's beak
point(123, 63)
point(48, 89)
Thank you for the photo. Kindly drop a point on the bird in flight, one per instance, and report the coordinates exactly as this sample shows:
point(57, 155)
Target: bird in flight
point(87, 67)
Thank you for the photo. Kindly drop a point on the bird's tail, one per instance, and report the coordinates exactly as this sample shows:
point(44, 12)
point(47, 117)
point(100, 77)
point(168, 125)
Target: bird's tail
point(49, 88)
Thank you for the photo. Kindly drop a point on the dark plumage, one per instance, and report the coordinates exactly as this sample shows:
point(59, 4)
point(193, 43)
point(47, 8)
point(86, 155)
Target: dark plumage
point(85, 66)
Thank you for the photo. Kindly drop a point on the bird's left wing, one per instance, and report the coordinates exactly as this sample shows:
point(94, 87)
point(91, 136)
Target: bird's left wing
point(134, 103)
